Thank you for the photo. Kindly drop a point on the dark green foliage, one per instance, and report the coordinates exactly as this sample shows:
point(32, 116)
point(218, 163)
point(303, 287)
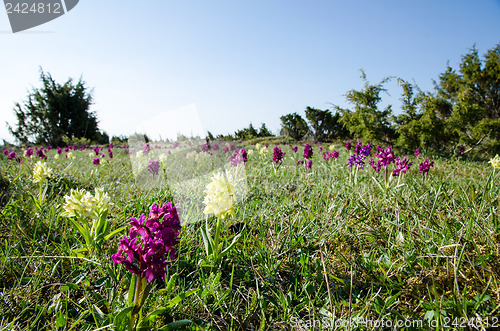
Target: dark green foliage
point(264, 132)
point(470, 100)
point(55, 111)
point(293, 125)
point(4, 186)
point(366, 121)
point(326, 126)
point(117, 141)
point(247, 133)
point(143, 137)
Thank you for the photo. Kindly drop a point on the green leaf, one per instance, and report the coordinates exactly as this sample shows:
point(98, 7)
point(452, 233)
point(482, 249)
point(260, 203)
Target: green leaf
point(83, 231)
point(175, 325)
point(102, 224)
point(131, 290)
point(207, 241)
point(122, 318)
point(98, 312)
point(234, 242)
point(72, 286)
point(80, 277)
point(179, 298)
point(112, 234)
point(171, 284)
point(60, 320)
point(153, 314)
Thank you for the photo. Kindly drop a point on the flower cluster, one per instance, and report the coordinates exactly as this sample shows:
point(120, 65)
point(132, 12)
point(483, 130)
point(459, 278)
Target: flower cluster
point(361, 152)
point(219, 196)
point(40, 153)
point(41, 172)
point(375, 165)
point(308, 151)
point(205, 147)
point(81, 203)
point(495, 162)
point(146, 149)
point(385, 156)
point(28, 152)
point(402, 166)
point(154, 167)
point(12, 156)
point(330, 155)
point(356, 160)
point(278, 155)
point(239, 156)
point(426, 166)
point(151, 241)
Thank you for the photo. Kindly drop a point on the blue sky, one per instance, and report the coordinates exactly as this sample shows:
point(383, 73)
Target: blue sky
point(225, 64)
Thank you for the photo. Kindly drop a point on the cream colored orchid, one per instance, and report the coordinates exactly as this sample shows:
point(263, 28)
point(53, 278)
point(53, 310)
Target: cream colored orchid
point(495, 162)
point(41, 172)
point(220, 196)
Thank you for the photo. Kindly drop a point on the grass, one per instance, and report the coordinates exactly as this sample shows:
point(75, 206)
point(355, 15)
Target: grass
point(318, 248)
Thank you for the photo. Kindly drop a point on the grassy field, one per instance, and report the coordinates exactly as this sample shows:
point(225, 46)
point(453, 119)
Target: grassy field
point(321, 248)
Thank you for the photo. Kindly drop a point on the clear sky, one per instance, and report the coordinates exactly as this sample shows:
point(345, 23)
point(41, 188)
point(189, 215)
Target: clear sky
point(225, 64)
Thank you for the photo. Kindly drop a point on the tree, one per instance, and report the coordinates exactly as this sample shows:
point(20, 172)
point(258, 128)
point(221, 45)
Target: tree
point(424, 128)
point(264, 132)
point(326, 126)
point(293, 125)
point(320, 121)
point(405, 124)
point(469, 99)
point(366, 121)
point(55, 111)
point(246, 133)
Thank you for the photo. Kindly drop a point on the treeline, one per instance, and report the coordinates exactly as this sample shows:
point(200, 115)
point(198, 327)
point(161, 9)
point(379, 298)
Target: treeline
point(461, 114)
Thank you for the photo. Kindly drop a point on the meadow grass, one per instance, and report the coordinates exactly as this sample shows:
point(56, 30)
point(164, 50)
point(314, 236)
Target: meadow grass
point(319, 249)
